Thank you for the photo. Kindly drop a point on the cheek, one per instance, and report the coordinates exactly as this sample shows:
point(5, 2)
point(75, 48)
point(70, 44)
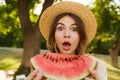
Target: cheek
point(76, 39)
point(57, 37)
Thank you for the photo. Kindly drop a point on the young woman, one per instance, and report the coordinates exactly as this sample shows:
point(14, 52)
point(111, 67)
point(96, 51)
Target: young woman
point(68, 27)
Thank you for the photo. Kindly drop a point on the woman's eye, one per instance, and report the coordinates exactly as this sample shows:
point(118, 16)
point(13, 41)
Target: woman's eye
point(74, 29)
point(60, 28)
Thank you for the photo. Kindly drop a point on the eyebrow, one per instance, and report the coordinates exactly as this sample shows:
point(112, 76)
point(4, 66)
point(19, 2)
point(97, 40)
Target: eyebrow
point(60, 23)
point(63, 24)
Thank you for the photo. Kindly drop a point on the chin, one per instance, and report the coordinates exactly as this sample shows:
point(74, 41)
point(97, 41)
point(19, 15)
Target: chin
point(66, 52)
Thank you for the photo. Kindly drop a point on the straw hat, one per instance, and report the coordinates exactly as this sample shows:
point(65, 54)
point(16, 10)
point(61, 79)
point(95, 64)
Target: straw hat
point(78, 9)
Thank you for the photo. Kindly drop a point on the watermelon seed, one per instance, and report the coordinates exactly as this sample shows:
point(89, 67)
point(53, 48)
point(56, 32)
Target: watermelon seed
point(75, 58)
point(62, 59)
point(70, 59)
point(66, 59)
point(47, 56)
point(56, 60)
point(44, 55)
point(52, 59)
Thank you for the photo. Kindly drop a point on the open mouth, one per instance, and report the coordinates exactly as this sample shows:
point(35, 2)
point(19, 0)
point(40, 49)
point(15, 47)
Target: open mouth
point(66, 44)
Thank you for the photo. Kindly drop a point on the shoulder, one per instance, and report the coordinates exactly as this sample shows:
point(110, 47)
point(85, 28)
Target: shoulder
point(100, 64)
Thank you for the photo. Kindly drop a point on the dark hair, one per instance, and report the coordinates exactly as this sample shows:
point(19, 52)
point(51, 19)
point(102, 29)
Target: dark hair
point(81, 31)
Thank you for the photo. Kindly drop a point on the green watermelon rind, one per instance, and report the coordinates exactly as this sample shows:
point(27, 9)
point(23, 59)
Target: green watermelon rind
point(50, 77)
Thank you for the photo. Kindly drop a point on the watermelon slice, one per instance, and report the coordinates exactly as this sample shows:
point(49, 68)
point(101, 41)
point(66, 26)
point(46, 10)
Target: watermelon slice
point(63, 66)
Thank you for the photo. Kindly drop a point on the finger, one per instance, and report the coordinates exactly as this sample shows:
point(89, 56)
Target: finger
point(94, 74)
point(31, 67)
point(32, 75)
point(39, 76)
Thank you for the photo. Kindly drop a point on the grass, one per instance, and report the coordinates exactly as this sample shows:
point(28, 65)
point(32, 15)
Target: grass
point(10, 59)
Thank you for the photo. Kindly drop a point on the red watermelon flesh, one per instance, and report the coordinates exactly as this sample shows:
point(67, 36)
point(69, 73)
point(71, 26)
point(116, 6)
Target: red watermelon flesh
point(57, 66)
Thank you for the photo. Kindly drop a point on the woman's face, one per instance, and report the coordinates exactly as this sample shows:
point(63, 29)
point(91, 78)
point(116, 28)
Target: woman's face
point(66, 35)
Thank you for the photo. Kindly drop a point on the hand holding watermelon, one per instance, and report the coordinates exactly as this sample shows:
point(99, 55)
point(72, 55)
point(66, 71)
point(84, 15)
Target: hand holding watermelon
point(93, 75)
point(35, 75)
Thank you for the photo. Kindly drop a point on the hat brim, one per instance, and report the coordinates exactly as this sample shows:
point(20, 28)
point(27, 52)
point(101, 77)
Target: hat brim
point(78, 9)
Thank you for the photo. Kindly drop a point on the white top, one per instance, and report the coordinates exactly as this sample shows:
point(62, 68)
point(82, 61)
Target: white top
point(101, 70)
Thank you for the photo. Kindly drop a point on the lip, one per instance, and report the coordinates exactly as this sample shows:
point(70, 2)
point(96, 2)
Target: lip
point(66, 45)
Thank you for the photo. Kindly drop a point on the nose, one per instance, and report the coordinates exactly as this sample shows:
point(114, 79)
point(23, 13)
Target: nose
point(67, 34)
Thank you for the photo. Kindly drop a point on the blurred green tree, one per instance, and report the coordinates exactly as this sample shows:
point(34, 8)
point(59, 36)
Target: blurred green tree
point(30, 32)
point(107, 13)
point(10, 30)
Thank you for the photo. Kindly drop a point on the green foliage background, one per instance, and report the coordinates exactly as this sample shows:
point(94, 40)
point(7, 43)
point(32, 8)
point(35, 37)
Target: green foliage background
point(106, 11)
point(108, 17)
point(10, 29)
